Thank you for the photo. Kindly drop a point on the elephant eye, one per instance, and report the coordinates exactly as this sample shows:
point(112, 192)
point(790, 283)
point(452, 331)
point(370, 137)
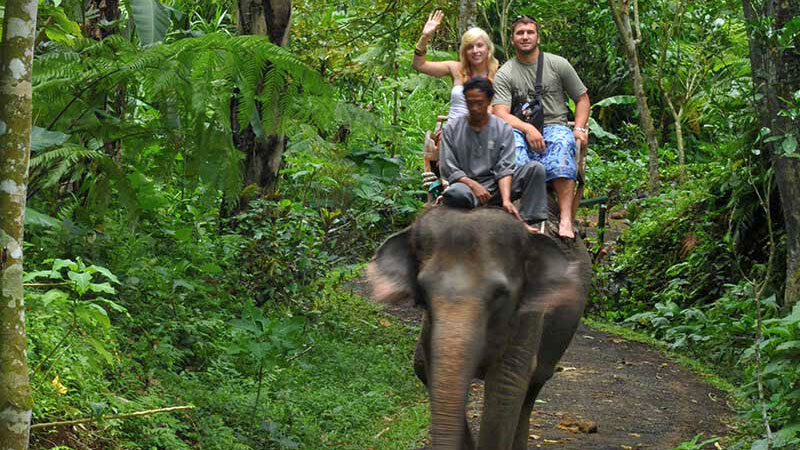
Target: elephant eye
point(501, 291)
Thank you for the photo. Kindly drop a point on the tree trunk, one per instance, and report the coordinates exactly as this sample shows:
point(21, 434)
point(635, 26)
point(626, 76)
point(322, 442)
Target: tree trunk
point(776, 76)
point(787, 176)
point(16, 61)
point(263, 155)
point(621, 15)
point(467, 12)
point(108, 11)
point(503, 7)
point(678, 117)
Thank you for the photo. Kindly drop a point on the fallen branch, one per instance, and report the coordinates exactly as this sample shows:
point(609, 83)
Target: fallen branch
point(300, 354)
point(113, 416)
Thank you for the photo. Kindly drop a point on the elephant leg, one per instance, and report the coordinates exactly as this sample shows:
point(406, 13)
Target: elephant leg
point(523, 426)
point(507, 384)
point(421, 361)
point(559, 327)
point(503, 398)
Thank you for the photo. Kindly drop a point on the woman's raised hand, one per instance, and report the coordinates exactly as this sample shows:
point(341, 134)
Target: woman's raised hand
point(434, 20)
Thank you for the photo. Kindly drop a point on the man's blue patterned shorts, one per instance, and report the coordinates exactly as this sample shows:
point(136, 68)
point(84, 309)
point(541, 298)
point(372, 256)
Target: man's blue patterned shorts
point(558, 158)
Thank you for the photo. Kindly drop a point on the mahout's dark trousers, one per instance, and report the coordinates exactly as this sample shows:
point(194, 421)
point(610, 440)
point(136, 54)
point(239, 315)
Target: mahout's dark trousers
point(527, 184)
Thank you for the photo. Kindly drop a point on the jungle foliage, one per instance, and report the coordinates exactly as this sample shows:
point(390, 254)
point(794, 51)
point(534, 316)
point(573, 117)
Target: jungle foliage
point(143, 293)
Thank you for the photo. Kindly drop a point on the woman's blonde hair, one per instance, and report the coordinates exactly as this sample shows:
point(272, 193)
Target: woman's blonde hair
point(467, 40)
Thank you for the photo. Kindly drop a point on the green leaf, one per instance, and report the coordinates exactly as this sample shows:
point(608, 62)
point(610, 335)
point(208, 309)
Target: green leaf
point(107, 273)
point(115, 306)
point(790, 31)
point(97, 409)
point(57, 35)
point(184, 234)
point(63, 22)
point(99, 314)
point(211, 268)
point(33, 217)
point(52, 274)
point(245, 325)
point(791, 345)
point(182, 283)
point(148, 197)
point(151, 19)
point(59, 264)
point(789, 144)
point(102, 287)
point(174, 13)
point(615, 100)
point(599, 132)
point(53, 295)
point(81, 279)
point(101, 349)
point(42, 138)
point(787, 433)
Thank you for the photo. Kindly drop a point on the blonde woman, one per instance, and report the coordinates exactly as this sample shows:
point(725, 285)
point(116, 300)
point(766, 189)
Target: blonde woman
point(476, 58)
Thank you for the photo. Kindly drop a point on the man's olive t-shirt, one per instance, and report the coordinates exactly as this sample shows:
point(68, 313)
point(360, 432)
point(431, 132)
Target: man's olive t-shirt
point(516, 80)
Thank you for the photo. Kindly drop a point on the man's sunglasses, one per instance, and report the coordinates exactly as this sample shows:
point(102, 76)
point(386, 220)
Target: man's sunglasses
point(522, 17)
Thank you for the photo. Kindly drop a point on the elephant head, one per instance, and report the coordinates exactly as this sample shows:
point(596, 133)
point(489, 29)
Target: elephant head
point(490, 290)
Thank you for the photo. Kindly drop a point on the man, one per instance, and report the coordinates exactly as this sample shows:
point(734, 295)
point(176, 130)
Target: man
point(478, 160)
point(554, 146)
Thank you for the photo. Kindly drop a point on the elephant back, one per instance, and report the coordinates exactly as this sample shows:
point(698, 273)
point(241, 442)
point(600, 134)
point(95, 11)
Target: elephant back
point(574, 249)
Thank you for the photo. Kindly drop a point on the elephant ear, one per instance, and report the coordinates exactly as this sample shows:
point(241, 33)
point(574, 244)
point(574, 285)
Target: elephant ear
point(393, 270)
point(550, 275)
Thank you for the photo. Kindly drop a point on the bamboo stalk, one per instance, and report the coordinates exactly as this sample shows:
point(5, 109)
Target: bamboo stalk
point(113, 416)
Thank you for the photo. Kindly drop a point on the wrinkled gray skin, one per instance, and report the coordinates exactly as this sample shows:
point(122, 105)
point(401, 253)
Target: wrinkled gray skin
point(501, 304)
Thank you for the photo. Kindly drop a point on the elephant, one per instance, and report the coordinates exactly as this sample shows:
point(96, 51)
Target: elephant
point(501, 304)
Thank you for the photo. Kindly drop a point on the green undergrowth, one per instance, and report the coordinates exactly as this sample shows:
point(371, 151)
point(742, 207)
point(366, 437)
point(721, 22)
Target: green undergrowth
point(349, 387)
point(334, 373)
point(691, 271)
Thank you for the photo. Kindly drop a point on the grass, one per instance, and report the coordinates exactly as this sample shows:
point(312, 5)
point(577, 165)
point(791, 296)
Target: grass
point(356, 389)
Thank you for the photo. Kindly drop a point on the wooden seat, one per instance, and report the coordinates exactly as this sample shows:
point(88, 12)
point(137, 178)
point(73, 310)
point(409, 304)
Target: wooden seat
point(580, 160)
point(430, 152)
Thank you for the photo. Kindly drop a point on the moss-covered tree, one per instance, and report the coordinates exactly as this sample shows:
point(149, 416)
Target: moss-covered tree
point(16, 59)
point(467, 13)
point(775, 64)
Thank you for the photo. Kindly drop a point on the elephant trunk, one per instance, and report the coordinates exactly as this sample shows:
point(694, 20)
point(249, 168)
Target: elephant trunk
point(457, 332)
